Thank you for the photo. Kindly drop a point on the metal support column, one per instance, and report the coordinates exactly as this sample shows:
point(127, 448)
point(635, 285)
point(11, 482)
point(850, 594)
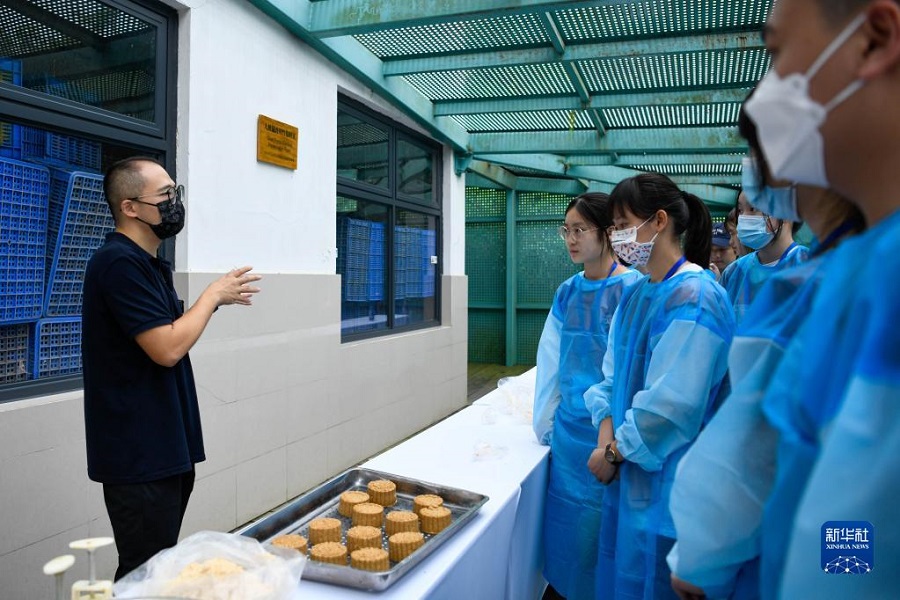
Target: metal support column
point(511, 279)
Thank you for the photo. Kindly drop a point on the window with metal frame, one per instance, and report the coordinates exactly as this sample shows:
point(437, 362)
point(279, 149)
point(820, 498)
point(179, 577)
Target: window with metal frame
point(84, 83)
point(387, 223)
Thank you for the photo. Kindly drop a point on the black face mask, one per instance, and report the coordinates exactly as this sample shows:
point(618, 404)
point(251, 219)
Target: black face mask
point(172, 214)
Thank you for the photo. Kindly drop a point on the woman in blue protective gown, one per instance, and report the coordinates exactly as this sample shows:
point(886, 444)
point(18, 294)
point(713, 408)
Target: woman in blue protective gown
point(774, 248)
point(664, 371)
point(726, 478)
point(569, 356)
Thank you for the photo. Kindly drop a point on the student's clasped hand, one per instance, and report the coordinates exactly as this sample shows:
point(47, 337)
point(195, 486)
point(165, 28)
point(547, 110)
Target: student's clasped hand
point(602, 469)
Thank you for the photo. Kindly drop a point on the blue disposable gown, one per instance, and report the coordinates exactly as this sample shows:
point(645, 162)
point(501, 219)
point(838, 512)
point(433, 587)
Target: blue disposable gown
point(723, 481)
point(744, 277)
point(664, 372)
point(569, 357)
point(835, 401)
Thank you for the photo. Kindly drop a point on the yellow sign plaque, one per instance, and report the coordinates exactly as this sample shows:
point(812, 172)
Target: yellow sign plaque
point(276, 142)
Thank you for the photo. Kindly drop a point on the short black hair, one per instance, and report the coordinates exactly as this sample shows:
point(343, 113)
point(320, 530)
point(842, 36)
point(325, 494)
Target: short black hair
point(123, 180)
point(836, 11)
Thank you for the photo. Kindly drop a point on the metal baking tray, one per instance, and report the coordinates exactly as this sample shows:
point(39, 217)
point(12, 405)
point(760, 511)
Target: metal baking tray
point(323, 502)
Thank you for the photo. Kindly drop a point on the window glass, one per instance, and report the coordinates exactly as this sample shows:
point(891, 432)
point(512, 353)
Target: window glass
point(81, 50)
point(415, 267)
point(414, 171)
point(53, 216)
point(362, 248)
point(362, 153)
point(388, 251)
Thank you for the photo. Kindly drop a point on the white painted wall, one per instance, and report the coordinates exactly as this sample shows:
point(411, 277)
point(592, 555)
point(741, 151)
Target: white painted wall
point(284, 403)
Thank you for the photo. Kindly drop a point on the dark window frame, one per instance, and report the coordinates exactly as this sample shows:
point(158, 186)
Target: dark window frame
point(29, 107)
point(393, 200)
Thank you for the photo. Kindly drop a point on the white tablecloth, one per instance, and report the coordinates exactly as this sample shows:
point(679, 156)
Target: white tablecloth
point(487, 448)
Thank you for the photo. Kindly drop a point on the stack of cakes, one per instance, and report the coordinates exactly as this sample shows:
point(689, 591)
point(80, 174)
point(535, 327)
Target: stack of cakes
point(364, 544)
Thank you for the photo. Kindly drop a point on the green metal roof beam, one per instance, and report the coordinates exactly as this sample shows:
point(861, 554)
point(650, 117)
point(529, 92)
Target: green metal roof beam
point(623, 141)
point(494, 173)
point(609, 174)
point(706, 179)
point(713, 195)
point(569, 187)
point(355, 59)
point(719, 200)
point(655, 98)
point(600, 186)
point(556, 38)
point(354, 17)
point(574, 52)
point(653, 159)
point(548, 163)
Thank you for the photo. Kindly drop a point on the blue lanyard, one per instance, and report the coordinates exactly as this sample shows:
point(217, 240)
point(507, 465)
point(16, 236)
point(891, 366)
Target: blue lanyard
point(675, 268)
point(786, 252)
point(611, 269)
point(835, 235)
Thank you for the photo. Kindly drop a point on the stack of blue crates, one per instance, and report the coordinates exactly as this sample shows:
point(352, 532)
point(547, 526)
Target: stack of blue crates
point(78, 222)
point(375, 274)
point(14, 357)
point(57, 347)
point(414, 249)
point(23, 233)
point(427, 273)
point(63, 151)
point(404, 260)
point(361, 259)
point(10, 135)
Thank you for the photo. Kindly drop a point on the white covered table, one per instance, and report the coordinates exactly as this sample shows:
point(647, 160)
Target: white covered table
point(487, 448)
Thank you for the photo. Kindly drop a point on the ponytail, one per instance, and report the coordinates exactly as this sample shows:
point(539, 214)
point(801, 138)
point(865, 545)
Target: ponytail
point(698, 231)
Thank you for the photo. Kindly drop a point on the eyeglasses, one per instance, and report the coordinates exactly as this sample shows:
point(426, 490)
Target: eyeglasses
point(575, 232)
point(175, 194)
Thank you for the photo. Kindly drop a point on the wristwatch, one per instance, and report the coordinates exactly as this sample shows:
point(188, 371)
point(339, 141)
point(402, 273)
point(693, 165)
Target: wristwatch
point(611, 455)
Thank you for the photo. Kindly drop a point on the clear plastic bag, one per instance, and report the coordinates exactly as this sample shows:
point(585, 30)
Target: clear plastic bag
point(517, 396)
point(210, 565)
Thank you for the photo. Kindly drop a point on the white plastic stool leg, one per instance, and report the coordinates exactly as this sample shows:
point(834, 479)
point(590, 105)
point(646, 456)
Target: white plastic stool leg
point(92, 589)
point(57, 568)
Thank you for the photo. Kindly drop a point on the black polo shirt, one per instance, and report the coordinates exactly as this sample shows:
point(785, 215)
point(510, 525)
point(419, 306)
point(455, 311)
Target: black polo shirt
point(142, 420)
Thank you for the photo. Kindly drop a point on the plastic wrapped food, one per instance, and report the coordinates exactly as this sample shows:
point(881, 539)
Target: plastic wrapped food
point(216, 566)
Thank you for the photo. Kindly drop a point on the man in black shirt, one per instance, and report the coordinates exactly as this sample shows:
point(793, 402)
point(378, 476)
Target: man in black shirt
point(142, 419)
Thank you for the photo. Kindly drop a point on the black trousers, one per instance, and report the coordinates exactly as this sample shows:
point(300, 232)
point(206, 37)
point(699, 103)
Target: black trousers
point(146, 517)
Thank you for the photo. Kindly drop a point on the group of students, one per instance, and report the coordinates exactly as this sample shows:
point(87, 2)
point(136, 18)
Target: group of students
point(705, 427)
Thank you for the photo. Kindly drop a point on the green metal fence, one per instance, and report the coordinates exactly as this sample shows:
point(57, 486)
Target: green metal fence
point(513, 270)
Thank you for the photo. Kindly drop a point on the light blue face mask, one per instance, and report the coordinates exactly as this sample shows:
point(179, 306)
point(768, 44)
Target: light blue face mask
point(752, 231)
point(778, 202)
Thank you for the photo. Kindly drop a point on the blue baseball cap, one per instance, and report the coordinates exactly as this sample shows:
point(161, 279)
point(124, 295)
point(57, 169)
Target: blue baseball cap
point(720, 236)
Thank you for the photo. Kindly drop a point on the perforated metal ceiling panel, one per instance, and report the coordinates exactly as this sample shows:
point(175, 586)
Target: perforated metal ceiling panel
point(556, 87)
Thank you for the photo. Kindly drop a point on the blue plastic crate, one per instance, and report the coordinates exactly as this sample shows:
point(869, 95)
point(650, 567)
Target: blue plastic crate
point(56, 347)
point(59, 150)
point(11, 135)
point(361, 259)
point(14, 355)
point(77, 224)
point(23, 235)
point(10, 140)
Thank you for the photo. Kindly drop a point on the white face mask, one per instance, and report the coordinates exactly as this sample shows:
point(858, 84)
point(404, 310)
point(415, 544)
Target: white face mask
point(788, 120)
point(753, 231)
point(627, 248)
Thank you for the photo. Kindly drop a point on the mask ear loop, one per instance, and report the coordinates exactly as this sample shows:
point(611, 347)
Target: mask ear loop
point(836, 43)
